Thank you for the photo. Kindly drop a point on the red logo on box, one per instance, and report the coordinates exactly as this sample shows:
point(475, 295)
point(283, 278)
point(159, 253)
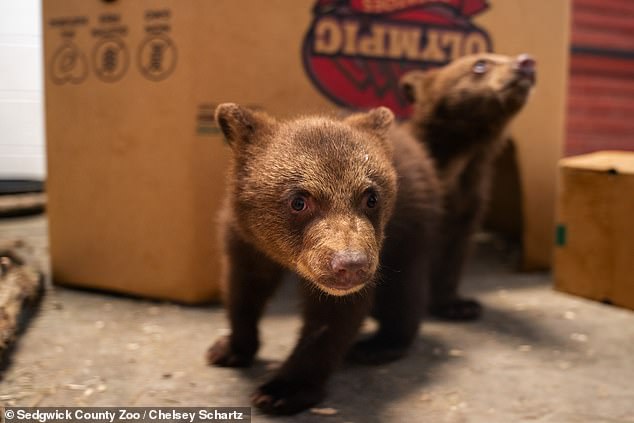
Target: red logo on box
point(356, 50)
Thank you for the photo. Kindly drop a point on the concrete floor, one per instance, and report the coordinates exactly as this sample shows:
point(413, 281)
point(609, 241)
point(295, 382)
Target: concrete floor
point(536, 356)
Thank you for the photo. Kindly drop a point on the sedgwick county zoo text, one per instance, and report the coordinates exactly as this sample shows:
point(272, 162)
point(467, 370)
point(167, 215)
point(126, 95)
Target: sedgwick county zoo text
point(125, 414)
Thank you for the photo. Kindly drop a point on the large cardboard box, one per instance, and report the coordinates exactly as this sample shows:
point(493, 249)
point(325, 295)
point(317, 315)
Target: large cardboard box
point(594, 257)
point(135, 164)
point(134, 177)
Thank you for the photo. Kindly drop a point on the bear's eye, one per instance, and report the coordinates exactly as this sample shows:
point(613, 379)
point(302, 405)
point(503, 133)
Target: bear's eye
point(480, 67)
point(299, 203)
point(371, 200)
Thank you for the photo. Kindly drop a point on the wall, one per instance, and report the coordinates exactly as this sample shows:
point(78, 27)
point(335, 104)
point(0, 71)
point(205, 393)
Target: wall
point(601, 84)
point(21, 95)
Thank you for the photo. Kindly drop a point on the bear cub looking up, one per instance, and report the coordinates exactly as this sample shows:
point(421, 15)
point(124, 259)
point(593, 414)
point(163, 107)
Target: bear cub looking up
point(348, 205)
point(461, 112)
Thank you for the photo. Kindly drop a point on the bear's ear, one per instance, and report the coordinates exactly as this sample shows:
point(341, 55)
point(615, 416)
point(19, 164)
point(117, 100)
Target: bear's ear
point(377, 120)
point(414, 84)
point(241, 125)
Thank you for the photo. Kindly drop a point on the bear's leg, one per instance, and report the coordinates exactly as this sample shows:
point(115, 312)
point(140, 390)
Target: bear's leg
point(251, 280)
point(400, 301)
point(454, 241)
point(330, 325)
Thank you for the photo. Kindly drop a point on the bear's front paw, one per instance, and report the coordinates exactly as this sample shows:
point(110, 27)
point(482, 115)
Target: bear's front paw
point(459, 309)
point(222, 354)
point(376, 350)
point(280, 397)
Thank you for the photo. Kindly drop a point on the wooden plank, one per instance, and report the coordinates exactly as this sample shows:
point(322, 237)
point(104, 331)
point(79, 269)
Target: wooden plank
point(601, 124)
point(583, 18)
point(601, 105)
point(599, 85)
point(601, 38)
point(605, 7)
point(606, 67)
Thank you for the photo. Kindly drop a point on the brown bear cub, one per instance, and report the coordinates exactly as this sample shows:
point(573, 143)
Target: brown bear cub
point(348, 205)
point(460, 114)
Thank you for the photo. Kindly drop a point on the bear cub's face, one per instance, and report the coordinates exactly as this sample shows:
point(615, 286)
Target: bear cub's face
point(481, 86)
point(313, 194)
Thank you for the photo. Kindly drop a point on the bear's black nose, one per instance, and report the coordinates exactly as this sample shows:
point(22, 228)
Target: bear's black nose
point(349, 267)
point(525, 66)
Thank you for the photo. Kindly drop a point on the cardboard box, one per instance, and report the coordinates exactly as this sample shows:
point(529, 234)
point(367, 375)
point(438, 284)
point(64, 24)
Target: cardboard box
point(594, 257)
point(540, 28)
point(135, 165)
point(134, 177)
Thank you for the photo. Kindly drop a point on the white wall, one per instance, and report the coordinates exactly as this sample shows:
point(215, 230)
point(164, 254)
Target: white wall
point(21, 89)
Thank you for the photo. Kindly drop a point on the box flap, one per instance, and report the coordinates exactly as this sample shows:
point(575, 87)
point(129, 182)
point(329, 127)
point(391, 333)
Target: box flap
point(621, 162)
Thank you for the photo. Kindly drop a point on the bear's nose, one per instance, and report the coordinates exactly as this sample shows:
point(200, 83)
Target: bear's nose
point(525, 66)
point(349, 265)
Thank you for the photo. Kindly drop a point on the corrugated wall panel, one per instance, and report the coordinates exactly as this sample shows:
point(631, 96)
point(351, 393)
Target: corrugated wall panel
point(601, 87)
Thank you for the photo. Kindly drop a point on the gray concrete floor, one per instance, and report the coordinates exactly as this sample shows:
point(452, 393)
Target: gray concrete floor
point(536, 356)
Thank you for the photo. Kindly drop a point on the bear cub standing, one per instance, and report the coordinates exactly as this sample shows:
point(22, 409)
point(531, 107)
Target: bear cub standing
point(461, 112)
point(348, 205)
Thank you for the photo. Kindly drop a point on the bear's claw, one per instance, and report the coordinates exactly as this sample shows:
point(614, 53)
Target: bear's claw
point(282, 398)
point(221, 354)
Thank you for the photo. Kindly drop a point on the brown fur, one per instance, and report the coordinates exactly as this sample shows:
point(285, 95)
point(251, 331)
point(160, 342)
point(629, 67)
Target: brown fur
point(460, 115)
point(335, 167)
